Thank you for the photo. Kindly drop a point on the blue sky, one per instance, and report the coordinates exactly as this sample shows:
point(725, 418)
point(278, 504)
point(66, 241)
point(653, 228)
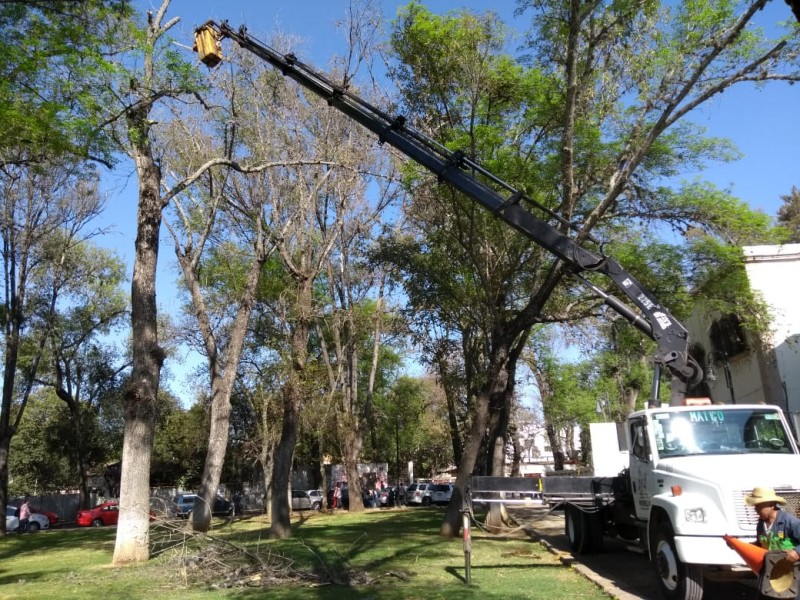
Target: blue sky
point(764, 124)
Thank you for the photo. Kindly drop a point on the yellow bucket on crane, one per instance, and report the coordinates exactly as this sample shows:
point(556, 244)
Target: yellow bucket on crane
point(207, 45)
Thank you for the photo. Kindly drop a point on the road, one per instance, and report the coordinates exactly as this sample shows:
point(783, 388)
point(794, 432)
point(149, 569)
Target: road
point(626, 574)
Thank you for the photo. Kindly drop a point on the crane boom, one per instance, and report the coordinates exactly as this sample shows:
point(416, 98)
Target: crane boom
point(454, 167)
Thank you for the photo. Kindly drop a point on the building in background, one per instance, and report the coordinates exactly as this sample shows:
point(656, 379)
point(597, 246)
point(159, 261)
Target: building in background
point(739, 370)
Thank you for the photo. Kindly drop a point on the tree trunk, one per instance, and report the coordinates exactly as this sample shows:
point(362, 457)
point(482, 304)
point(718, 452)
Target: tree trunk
point(516, 445)
point(586, 446)
point(495, 387)
point(133, 530)
point(215, 454)
point(451, 394)
point(80, 447)
point(555, 445)
point(352, 442)
point(280, 524)
point(498, 517)
point(7, 429)
point(265, 457)
point(5, 443)
point(222, 362)
point(452, 520)
point(280, 513)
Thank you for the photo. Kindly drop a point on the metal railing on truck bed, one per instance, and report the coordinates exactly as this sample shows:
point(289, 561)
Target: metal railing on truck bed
point(580, 490)
point(505, 490)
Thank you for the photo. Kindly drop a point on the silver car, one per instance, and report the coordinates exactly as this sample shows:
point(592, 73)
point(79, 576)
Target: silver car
point(306, 500)
point(441, 493)
point(419, 493)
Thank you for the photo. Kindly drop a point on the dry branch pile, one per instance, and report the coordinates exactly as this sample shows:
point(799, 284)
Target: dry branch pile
point(207, 560)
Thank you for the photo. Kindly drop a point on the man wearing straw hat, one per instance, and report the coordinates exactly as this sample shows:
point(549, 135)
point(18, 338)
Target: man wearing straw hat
point(777, 529)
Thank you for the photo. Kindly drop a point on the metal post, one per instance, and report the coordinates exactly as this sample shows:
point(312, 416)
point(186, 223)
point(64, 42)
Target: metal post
point(467, 545)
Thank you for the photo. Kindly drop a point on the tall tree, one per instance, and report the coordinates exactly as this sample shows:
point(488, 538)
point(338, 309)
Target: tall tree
point(222, 344)
point(571, 137)
point(297, 203)
point(45, 212)
point(84, 369)
point(41, 459)
point(134, 93)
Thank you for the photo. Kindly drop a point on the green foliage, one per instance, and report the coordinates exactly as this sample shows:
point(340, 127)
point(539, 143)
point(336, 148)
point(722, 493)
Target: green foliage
point(43, 456)
point(566, 389)
point(180, 443)
point(50, 61)
point(39, 458)
point(789, 215)
point(410, 425)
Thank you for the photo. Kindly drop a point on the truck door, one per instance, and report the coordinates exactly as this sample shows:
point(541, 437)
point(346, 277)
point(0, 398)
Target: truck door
point(641, 466)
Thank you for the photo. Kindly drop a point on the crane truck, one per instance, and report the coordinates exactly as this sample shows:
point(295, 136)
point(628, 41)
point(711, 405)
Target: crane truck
point(676, 496)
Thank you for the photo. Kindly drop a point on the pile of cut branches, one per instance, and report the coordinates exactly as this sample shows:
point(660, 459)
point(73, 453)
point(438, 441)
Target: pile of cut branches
point(208, 560)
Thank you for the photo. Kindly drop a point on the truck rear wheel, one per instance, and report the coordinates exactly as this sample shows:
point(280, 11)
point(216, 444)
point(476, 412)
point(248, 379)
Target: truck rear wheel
point(584, 530)
point(678, 581)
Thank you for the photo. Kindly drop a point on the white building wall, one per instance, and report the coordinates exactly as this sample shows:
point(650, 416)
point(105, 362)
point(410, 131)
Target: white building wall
point(774, 376)
point(774, 272)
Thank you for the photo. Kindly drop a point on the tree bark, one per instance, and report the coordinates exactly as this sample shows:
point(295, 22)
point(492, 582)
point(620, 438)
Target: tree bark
point(555, 446)
point(7, 428)
point(215, 454)
point(496, 385)
point(280, 511)
point(353, 441)
point(133, 530)
point(498, 517)
point(452, 520)
point(280, 525)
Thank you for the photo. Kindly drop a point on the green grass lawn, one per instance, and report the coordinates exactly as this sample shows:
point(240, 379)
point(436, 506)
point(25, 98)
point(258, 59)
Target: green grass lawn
point(389, 554)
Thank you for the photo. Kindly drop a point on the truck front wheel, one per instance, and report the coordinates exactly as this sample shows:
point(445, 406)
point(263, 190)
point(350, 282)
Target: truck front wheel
point(678, 581)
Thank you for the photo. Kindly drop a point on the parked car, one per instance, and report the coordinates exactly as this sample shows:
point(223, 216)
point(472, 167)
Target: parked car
point(36, 521)
point(184, 503)
point(51, 516)
point(419, 493)
point(12, 521)
point(306, 500)
point(106, 513)
point(441, 493)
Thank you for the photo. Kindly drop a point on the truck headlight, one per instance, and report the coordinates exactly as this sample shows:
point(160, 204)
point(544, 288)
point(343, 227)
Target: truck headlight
point(695, 515)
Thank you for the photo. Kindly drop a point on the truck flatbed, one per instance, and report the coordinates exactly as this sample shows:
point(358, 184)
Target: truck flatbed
point(582, 490)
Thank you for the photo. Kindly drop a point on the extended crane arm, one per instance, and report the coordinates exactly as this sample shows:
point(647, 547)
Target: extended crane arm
point(460, 172)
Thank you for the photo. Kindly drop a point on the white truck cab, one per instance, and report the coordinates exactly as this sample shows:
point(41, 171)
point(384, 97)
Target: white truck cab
point(690, 469)
point(685, 473)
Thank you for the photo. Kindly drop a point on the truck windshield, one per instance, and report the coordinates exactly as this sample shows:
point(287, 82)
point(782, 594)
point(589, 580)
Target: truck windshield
point(711, 430)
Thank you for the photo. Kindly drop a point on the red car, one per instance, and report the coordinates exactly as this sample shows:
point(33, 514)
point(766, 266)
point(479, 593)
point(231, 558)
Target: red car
point(51, 516)
point(106, 513)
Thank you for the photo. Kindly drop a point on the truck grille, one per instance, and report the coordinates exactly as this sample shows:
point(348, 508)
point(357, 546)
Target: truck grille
point(746, 515)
